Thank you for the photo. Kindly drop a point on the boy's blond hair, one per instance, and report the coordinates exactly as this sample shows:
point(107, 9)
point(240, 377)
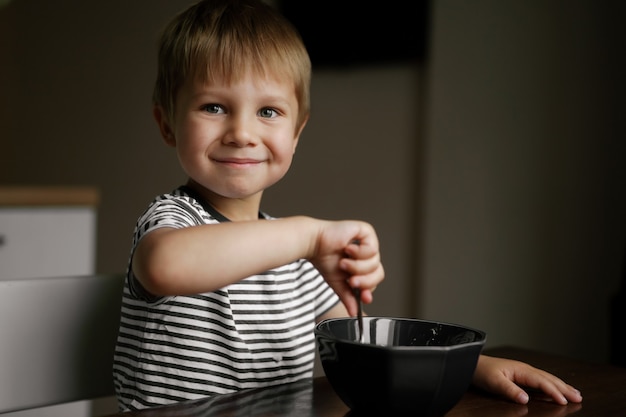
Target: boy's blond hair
point(223, 40)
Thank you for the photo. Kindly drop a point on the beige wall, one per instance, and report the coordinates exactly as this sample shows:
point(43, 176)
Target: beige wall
point(500, 207)
point(525, 186)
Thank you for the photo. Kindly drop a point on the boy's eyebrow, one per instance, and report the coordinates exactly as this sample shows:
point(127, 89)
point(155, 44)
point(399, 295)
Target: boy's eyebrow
point(218, 91)
point(269, 96)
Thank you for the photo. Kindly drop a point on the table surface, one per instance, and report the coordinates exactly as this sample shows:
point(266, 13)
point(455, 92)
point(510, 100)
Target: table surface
point(603, 388)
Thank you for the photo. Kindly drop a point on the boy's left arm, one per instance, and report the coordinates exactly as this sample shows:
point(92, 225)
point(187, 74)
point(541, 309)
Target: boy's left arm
point(506, 377)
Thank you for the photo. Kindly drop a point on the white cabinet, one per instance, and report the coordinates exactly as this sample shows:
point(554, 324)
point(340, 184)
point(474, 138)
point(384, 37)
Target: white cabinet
point(47, 231)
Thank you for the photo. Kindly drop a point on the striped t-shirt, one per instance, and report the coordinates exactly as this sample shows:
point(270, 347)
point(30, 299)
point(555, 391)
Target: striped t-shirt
point(256, 332)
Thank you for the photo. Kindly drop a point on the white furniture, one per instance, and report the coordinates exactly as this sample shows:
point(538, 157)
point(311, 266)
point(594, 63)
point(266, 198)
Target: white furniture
point(57, 320)
point(57, 336)
point(47, 231)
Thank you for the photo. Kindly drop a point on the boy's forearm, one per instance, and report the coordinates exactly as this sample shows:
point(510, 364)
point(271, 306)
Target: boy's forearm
point(206, 258)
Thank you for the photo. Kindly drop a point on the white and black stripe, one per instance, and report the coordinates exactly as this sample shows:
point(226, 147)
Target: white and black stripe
point(256, 332)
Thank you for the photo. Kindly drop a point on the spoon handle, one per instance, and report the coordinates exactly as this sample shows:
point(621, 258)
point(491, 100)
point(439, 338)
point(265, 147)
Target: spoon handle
point(357, 295)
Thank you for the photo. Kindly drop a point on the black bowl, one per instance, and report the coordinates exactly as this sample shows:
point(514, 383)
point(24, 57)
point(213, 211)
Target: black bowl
point(404, 366)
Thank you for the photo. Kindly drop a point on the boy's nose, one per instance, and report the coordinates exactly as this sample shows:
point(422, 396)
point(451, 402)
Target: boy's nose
point(240, 131)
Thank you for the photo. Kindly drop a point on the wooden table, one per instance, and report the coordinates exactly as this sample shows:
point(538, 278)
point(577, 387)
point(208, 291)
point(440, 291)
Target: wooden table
point(603, 388)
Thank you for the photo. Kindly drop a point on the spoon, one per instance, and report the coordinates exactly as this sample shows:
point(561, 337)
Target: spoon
point(359, 315)
point(357, 295)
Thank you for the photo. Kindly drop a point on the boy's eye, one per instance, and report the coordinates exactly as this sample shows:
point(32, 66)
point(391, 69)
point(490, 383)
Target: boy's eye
point(213, 108)
point(267, 112)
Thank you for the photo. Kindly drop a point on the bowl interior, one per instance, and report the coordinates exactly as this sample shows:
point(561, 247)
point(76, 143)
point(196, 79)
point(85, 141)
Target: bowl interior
point(400, 332)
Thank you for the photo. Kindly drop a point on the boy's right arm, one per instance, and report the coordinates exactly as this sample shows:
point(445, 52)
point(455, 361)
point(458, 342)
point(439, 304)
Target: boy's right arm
point(205, 258)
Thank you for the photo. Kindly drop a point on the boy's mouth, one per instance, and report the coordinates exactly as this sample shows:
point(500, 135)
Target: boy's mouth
point(238, 162)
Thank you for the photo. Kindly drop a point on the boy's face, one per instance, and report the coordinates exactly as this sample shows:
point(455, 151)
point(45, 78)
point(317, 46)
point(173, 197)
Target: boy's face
point(235, 140)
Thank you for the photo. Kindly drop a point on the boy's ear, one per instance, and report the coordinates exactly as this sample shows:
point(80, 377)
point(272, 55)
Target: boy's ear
point(164, 125)
point(299, 130)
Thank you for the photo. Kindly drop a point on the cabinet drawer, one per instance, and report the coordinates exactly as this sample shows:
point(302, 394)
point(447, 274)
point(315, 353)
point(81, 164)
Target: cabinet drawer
point(47, 241)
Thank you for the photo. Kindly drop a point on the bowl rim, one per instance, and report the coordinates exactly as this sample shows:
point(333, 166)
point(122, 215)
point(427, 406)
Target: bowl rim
point(481, 342)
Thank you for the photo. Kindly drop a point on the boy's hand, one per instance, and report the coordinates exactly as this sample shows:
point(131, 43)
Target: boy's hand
point(347, 255)
point(506, 377)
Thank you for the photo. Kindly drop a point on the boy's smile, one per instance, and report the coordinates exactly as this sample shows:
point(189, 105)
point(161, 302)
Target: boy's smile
point(234, 139)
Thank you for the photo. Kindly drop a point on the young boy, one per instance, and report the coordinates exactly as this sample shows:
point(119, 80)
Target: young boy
point(220, 296)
